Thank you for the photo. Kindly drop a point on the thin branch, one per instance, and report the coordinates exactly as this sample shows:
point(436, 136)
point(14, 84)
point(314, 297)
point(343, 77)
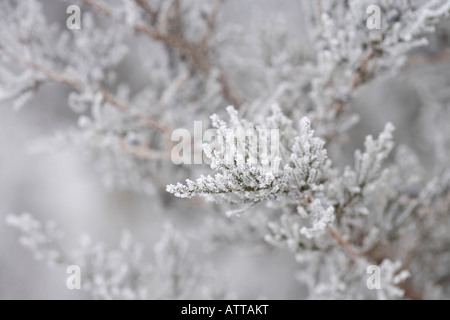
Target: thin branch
point(142, 152)
point(362, 70)
point(358, 79)
point(343, 243)
point(108, 97)
point(197, 54)
point(55, 76)
point(153, 14)
point(77, 85)
point(320, 11)
point(229, 91)
point(211, 21)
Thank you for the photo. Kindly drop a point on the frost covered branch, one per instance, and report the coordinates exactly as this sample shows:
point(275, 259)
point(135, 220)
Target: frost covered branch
point(123, 273)
point(164, 30)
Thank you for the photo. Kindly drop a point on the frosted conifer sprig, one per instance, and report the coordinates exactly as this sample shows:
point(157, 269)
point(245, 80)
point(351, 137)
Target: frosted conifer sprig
point(354, 187)
point(243, 175)
point(41, 239)
point(308, 158)
point(258, 177)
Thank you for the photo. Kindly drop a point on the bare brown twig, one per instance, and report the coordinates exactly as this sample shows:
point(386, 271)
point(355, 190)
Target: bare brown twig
point(358, 79)
point(211, 21)
point(143, 152)
point(77, 85)
point(152, 13)
point(343, 243)
point(197, 54)
point(320, 11)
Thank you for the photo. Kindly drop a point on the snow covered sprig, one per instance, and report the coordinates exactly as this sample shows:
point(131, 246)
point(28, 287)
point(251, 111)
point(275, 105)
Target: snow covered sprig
point(124, 272)
point(41, 239)
point(308, 157)
point(246, 174)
